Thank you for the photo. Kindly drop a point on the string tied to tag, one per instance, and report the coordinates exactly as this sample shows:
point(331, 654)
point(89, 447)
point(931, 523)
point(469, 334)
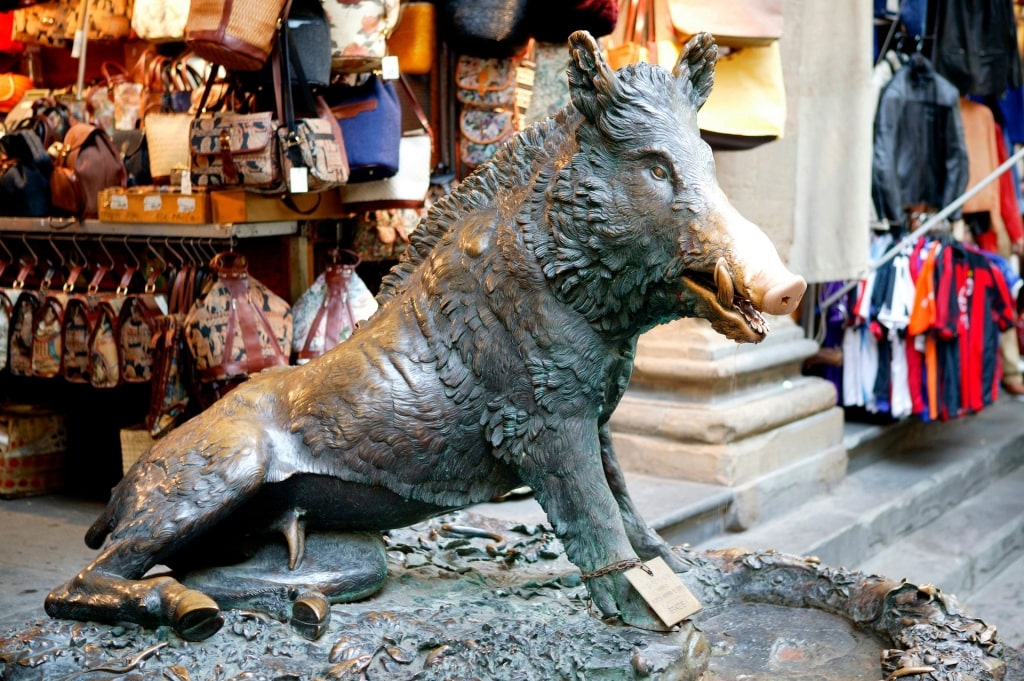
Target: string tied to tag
point(619, 566)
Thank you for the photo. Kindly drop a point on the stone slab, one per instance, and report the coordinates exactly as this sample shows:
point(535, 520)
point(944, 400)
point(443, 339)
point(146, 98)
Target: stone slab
point(731, 463)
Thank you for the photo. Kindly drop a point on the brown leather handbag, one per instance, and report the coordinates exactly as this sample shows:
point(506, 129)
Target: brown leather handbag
point(237, 326)
point(86, 162)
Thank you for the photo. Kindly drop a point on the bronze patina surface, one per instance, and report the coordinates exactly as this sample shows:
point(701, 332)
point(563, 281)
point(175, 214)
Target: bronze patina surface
point(504, 341)
point(475, 598)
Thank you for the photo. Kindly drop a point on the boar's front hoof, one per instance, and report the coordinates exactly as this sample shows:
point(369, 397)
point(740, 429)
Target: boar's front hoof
point(636, 613)
point(197, 616)
point(311, 613)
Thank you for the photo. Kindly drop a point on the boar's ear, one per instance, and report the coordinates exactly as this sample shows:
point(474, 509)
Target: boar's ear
point(697, 65)
point(590, 77)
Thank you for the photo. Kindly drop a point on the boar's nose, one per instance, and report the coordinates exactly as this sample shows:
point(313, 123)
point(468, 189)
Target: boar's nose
point(784, 295)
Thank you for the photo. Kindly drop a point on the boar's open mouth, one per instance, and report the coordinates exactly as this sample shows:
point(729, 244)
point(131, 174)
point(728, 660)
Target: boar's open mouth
point(737, 316)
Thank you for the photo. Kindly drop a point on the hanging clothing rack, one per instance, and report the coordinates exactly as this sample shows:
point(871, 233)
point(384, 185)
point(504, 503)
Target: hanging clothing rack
point(927, 226)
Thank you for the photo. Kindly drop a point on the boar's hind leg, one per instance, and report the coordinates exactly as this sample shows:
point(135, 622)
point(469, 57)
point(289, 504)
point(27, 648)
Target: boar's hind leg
point(336, 567)
point(646, 542)
point(99, 593)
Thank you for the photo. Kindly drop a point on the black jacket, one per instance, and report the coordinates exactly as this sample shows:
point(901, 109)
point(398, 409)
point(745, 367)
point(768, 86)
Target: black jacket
point(975, 45)
point(919, 150)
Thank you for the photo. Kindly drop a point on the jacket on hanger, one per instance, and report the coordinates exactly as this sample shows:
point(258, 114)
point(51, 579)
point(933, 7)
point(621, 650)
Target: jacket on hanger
point(919, 152)
point(975, 45)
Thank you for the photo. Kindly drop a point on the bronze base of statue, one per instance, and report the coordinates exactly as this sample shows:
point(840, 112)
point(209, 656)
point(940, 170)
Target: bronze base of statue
point(471, 597)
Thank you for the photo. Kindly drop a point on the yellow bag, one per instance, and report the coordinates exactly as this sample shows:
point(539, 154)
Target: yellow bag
point(747, 105)
point(414, 40)
point(733, 23)
point(641, 34)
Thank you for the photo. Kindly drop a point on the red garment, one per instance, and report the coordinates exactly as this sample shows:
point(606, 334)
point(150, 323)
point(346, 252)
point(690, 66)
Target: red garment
point(1008, 207)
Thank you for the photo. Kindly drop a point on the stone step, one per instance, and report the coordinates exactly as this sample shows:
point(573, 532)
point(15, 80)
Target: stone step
point(1000, 601)
point(963, 548)
point(937, 467)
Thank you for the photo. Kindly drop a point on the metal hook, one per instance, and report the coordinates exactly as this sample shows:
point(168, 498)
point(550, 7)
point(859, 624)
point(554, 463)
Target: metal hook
point(10, 256)
point(24, 240)
point(176, 254)
point(74, 242)
point(56, 250)
point(156, 253)
point(103, 246)
point(212, 249)
point(135, 258)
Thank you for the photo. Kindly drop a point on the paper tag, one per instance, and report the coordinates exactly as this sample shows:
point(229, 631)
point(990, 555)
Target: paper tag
point(298, 180)
point(119, 202)
point(186, 182)
point(76, 45)
point(389, 67)
point(664, 592)
point(186, 204)
point(152, 203)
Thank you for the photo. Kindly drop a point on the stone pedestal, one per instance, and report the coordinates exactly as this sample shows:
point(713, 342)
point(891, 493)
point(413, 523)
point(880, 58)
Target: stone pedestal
point(703, 408)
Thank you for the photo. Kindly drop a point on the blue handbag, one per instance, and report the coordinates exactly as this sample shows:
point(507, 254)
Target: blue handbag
point(371, 124)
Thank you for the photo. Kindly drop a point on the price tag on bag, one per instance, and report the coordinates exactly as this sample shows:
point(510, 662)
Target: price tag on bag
point(664, 591)
point(298, 180)
point(389, 67)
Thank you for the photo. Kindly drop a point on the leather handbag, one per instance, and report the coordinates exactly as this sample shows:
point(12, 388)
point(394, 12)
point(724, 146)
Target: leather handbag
point(6, 307)
point(137, 325)
point(733, 23)
point(159, 21)
point(237, 326)
point(238, 35)
point(235, 150)
point(24, 175)
point(329, 310)
point(13, 87)
point(133, 148)
point(371, 124)
point(482, 132)
point(312, 149)
point(84, 163)
point(48, 325)
point(80, 315)
point(169, 388)
point(747, 105)
point(308, 26)
point(485, 28)
point(486, 83)
point(642, 34)
point(359, 33)
point(414, 41)
point(167, 142)
point(408, 186)
point(23, 311)
point(104, 351)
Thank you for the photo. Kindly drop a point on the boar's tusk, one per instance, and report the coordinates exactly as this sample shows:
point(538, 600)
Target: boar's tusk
point(723, 281)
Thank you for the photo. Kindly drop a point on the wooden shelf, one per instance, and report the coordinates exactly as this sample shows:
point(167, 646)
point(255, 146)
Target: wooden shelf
point(69, 226)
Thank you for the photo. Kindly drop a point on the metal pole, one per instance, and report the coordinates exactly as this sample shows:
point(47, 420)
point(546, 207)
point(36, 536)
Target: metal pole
point(925, 227)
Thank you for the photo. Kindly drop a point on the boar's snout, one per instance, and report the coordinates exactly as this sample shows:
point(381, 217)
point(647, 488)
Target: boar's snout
point(747, 279)
point(782, 296)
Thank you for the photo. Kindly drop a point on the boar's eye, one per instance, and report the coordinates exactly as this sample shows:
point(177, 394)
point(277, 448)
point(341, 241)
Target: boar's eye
point(659, 173)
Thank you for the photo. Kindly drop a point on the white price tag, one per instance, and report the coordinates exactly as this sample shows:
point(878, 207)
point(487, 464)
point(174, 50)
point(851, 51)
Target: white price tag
point(186, 204)
point(152, 203)
point(389, 67)
point(298, 181)
point(119, 202)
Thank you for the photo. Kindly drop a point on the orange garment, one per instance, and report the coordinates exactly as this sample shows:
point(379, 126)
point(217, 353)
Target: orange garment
point(922, 320)
point(980, 134)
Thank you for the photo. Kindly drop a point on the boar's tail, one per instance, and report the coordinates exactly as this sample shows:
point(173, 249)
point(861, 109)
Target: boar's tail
point(95, 535)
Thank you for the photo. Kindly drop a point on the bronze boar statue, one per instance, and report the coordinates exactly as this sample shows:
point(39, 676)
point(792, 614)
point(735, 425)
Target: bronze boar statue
point(504, 341)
